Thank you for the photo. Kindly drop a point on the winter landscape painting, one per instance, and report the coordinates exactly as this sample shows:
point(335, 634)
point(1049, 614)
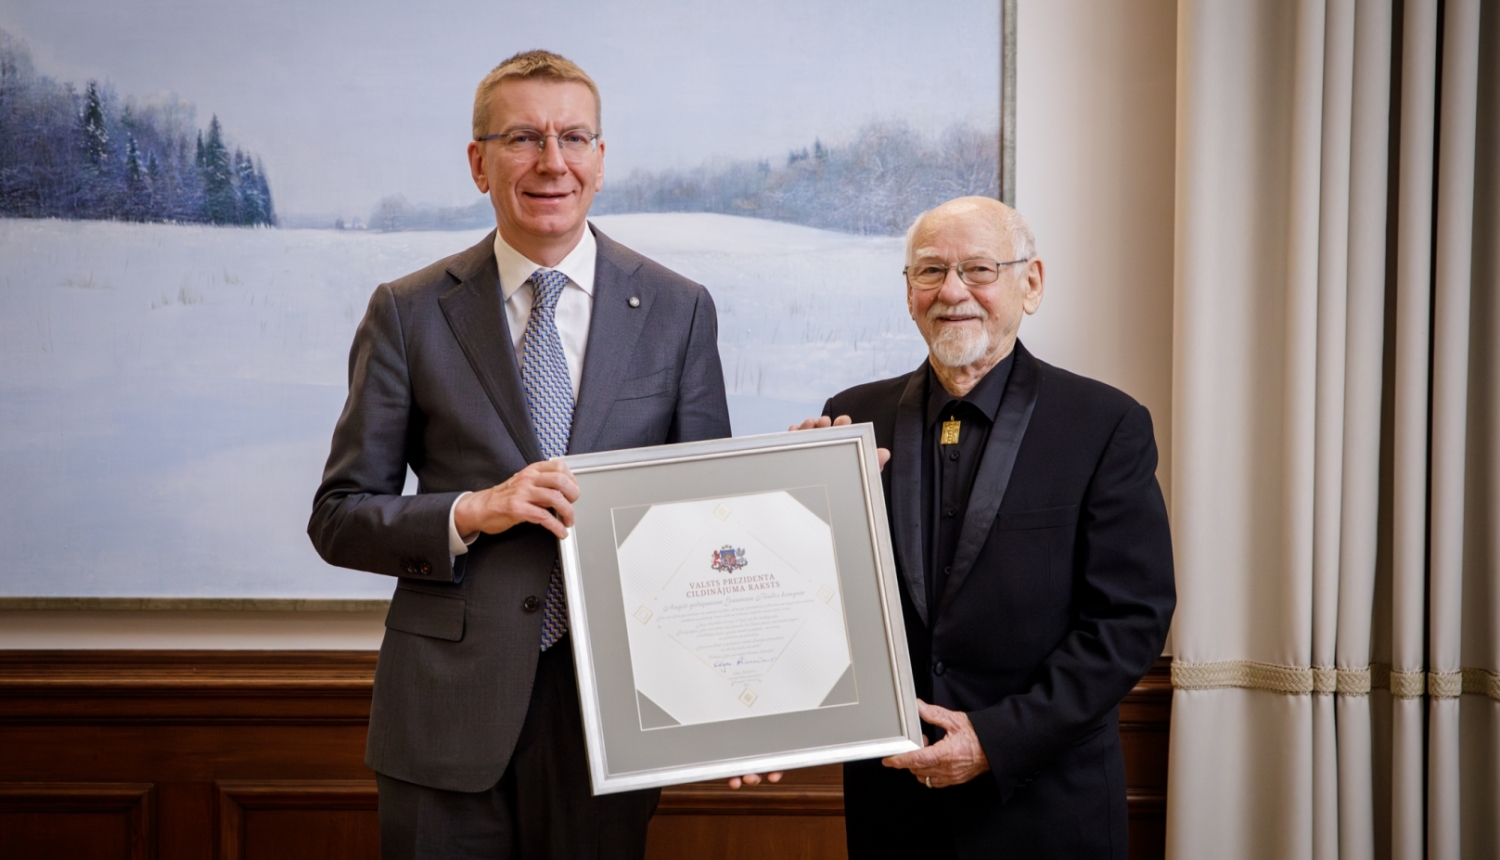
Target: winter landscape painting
point(196, 202)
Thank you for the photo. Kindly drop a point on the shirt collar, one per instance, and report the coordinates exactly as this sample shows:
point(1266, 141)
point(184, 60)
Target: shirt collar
point(985, 396)
point(516, 269)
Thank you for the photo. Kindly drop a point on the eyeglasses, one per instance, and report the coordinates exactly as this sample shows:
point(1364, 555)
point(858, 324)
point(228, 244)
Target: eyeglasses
point(576, 143)
point(975, 273)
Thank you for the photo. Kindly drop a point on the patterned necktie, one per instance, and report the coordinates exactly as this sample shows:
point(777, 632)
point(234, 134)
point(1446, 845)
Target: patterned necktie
point(549, 399)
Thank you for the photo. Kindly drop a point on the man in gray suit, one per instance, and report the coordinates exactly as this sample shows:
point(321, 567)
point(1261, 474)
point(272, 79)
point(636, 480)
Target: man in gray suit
point(545, 338)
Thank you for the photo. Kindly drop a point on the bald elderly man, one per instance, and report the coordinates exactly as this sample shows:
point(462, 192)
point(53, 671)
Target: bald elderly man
point(1035, 563)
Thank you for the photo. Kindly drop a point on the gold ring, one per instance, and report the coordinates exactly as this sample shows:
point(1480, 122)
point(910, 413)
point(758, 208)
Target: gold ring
point(929, 782)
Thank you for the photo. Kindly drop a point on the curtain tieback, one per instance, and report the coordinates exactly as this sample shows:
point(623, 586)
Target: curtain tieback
point(1303, 680)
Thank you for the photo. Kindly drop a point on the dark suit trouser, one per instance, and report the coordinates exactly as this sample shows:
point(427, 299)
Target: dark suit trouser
point(888, 813)
point(542, 808)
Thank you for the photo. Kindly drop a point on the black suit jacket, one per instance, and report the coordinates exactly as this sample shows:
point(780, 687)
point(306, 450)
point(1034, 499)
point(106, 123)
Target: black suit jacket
point(434, 383)
point(1059, 601)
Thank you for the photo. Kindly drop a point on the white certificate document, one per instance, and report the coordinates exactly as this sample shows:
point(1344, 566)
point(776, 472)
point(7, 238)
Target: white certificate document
point(733, 608)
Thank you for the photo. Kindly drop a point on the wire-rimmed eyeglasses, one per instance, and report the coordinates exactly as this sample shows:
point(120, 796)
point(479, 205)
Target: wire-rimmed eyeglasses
point(575, 143)
point(930, 274)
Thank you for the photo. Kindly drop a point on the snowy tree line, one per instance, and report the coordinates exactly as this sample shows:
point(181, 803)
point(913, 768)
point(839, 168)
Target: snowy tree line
point(876, 183)
point(395, 213)
point(66, 154)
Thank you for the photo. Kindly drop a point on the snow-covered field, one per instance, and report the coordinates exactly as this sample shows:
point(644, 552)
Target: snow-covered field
point(167, 393)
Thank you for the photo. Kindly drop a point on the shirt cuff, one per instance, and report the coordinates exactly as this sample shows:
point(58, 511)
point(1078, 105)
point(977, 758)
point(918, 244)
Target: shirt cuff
point(457, 543)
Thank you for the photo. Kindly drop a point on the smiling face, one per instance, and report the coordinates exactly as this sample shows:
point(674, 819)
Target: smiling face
point(540, 200)
point(971, 327)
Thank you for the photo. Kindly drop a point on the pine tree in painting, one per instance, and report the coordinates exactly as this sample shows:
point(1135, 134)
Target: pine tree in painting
point(156, 180)
point(66, 154)
point(136, 205)
point(268, 209)
point(95, 131)
point(220, 203)
point(252, 208)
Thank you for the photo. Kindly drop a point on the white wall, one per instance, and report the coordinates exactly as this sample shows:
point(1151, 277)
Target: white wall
point(1095, 117)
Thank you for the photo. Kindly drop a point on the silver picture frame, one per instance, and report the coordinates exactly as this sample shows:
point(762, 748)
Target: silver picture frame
point(625, 752)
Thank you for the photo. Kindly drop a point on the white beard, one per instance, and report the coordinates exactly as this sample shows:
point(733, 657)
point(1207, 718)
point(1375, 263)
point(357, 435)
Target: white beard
point(959, 346)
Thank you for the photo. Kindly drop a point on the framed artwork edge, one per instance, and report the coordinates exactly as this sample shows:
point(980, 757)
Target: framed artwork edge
point(143, 596)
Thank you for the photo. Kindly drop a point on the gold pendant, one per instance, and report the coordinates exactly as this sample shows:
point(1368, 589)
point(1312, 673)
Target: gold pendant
point(950, 432)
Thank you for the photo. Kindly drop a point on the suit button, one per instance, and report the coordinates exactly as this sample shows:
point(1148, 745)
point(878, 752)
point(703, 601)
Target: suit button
point(531, 604)
point(938, 668)
point(949, 512)
point(426, 569)
point(953, 455)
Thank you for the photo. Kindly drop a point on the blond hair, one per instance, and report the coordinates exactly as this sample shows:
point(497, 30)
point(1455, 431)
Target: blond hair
point(543, 65)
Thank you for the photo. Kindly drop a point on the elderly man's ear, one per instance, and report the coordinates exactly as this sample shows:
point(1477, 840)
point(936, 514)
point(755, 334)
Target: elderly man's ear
point(1036, 277)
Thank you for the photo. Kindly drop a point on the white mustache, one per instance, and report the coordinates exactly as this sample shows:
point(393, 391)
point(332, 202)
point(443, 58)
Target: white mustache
point(970, 308)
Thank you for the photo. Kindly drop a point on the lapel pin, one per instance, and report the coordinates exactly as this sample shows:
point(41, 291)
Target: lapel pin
point(634, 302)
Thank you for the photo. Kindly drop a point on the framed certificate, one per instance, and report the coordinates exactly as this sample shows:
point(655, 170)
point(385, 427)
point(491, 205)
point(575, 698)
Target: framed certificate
point(734, 609)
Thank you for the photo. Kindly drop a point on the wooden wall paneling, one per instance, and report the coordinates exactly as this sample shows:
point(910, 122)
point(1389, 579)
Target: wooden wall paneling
point(811, 791)
point(294, 819)
point(1145, 729)
point(186, 813)
point(784, 837)
point(184, 720)
point(77, 819)
point(801, 816)
point(193, 687)
point(254, 755)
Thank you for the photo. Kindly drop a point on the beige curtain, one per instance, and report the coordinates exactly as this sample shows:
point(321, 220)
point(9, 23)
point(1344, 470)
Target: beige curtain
point(1336, 430)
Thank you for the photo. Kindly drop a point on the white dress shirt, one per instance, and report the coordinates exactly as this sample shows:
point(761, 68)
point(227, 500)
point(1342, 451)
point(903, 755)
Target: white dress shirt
point(575, 307)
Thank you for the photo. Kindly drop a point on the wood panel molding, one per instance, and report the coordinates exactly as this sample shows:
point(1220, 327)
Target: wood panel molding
point(1146, 804)
point(235, 797)
point(155, 687)
point(135, 801)
point(130, 673)
point(717, 798)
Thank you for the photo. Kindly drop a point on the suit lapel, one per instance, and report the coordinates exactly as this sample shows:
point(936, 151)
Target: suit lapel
point(614, 328)
point(994, 469)
point(906, 495)
point(476, 314)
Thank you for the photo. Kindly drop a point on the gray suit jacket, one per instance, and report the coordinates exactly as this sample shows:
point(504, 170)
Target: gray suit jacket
point(434, 383)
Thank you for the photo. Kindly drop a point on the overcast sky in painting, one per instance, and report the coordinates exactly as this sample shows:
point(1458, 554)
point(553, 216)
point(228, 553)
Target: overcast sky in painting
point(347, 102)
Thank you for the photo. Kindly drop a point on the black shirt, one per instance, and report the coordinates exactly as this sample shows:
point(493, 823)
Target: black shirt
point(948, 470)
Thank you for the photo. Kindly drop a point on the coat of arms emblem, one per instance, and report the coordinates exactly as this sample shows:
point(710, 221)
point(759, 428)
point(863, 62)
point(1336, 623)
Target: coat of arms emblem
point(729, 559)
